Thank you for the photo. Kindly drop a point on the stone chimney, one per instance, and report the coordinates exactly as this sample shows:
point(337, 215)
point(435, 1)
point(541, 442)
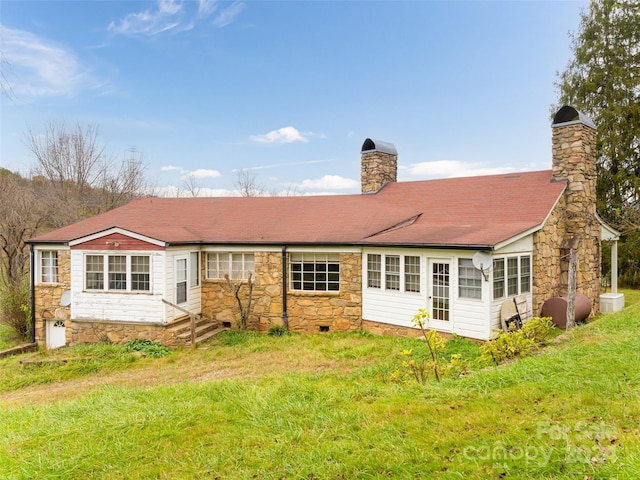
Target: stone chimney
point(379, 165)
point(574, 160)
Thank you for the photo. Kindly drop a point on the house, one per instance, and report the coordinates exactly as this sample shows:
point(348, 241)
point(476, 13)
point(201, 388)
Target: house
point(331, 263)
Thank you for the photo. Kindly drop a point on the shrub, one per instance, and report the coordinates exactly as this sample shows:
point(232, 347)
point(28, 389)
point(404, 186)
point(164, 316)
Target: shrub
point(518, 343)
point(148, 347)
point(14, 308)
point(278, 331)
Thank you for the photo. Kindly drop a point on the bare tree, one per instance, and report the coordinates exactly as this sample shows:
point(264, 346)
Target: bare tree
point(191, 186)
point(247, 184)
point(83, 178)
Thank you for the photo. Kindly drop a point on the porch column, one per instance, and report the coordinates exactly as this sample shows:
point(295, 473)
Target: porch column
point(614, 267)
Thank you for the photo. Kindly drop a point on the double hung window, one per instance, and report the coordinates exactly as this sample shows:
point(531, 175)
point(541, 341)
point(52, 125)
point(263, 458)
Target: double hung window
point(125, 273)
point(49, 266)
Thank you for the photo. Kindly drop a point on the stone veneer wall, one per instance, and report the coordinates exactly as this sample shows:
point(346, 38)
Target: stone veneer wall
point(47, 299)
point(574, 158)
point(306, 312)
point(89, 331)
point(546, 262)
point(377, 169)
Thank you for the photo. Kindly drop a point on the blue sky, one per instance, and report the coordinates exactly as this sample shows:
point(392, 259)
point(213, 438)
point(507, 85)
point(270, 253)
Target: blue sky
point(289, 89)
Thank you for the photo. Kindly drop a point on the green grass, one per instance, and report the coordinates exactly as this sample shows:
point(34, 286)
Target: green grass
point(8, 337)
point(326, 407)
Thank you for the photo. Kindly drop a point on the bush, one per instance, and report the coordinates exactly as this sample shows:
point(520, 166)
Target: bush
point(14, 308)
point(278, 331)
point(518, 343)
point(148, 347)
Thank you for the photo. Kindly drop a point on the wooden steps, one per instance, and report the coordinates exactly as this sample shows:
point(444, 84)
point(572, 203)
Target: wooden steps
point(205, 329)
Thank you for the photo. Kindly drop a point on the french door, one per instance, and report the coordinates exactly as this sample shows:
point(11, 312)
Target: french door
point(439, 292)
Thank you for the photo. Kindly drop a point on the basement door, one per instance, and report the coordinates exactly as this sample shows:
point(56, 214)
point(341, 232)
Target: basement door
point(439, 295)
point(55, 333)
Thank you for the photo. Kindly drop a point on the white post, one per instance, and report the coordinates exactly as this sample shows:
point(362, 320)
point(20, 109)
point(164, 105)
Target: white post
point(614, 267)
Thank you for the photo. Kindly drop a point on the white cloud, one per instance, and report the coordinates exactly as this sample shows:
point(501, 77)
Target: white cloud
point(329, 182)
point(227, 15)
point(202, 173)
point(37, 67)
point(453, 168)
point(168, 168)
point(174, 16)
point(167, 16)
point(282, 135)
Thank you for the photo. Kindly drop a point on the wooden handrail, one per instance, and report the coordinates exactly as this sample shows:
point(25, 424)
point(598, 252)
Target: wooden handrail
point(192, 317)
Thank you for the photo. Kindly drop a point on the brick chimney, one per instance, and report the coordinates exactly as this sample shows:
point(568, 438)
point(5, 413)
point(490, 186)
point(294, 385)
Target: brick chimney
point(574, 160)
point(379, 165)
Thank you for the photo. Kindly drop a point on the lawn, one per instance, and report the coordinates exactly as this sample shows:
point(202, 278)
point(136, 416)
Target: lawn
point(326, 407)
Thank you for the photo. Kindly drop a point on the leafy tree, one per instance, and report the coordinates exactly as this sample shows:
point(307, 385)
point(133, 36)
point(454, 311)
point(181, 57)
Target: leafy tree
point(603, 81)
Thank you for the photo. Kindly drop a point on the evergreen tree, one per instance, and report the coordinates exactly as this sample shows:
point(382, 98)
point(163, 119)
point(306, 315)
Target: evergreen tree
point(603, 81)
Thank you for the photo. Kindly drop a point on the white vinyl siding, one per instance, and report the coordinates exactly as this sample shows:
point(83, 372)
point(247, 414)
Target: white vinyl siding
point(468, 317)
point(141, 303)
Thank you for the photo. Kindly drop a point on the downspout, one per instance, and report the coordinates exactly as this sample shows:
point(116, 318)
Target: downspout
point(285, 319)
point(32, 275)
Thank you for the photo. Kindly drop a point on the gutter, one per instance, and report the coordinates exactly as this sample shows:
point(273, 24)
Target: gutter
point(285, 318)
point(32, 276)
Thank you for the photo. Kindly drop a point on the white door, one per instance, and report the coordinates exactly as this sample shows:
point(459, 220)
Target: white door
point(439, 292)
point(55, 333)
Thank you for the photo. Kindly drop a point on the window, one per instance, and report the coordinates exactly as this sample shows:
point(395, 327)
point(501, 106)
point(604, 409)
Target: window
point(374, 270)
point(401, 272)
point(469, 279)
point(515, 280)
point(315, 272)
point(411, 274)
point(140, 276)
point(126, 273)
point(49, 267)
point(512, 276)
point(237, 265)
point(498, 278)
point(94, 272)
point(194, 269)
point(117, 272)
point(181, 280)
point(392, 272)
point(525, 274)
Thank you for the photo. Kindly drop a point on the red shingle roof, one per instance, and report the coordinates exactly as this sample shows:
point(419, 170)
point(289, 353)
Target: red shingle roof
point(472, 211)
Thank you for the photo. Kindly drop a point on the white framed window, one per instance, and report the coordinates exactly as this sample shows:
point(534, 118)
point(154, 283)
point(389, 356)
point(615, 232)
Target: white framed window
point(49, 266)
point(525, 274)
point(498, 278)
point(374, 270)
point(124, 273)
point(469, 280)
point(181, 280)
point(392, 272)
point(511, 276)
point(236, 265)
point(194, 269)
point(140, 273)
point(412, 274)
point(315, 272)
